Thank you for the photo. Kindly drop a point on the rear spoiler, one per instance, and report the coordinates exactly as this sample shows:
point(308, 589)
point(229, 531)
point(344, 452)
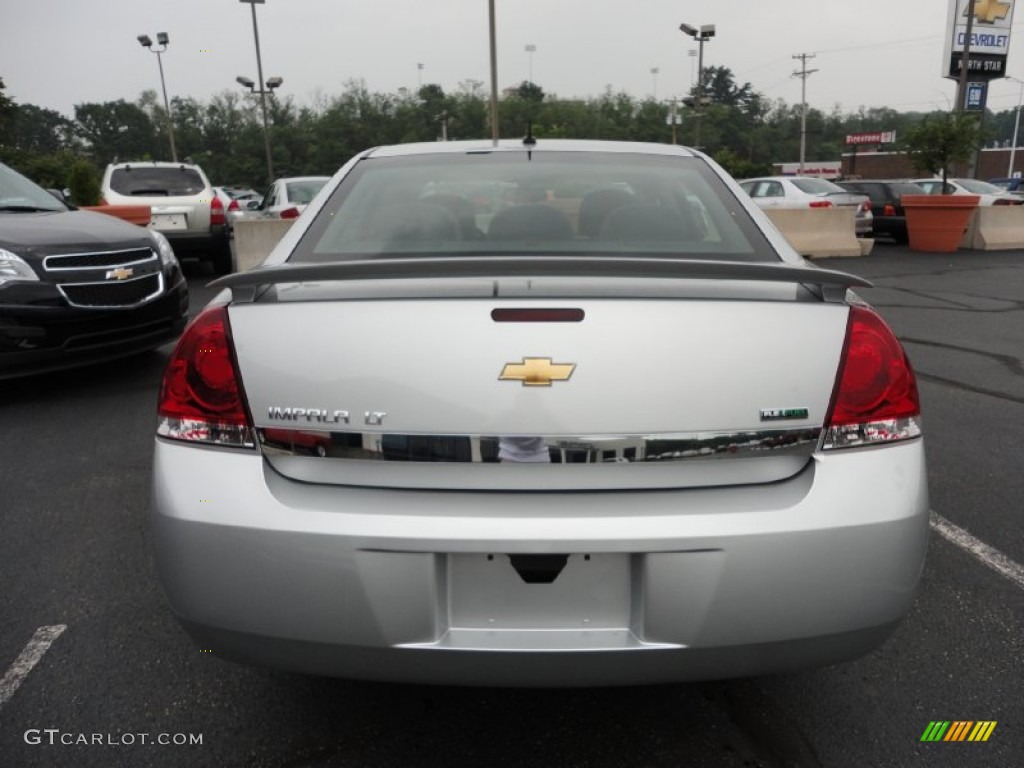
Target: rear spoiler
point(833, 283)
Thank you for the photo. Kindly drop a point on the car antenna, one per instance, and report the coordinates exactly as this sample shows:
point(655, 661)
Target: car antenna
point(529, 141)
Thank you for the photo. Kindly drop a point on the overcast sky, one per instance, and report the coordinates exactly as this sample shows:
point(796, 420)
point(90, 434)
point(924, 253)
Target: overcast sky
point(58, 53)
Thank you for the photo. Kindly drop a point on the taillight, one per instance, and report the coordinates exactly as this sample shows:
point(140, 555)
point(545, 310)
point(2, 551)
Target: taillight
point(201, 397)
point(876, 398)
point(821, 204)
point(290, 213)
point(216, 211)
point(1003, 201)
point(889, 210)
point(865, 207)
point(233, 206)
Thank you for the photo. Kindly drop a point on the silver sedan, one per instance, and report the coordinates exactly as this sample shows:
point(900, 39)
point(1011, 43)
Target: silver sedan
point(603, 427)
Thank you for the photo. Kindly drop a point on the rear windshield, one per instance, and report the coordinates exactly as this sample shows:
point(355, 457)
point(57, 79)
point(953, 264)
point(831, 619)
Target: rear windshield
point(817, 186)
point(906, 188)
point(301, 192)
point(533, 203)
point(165, 182)
point(980, 187)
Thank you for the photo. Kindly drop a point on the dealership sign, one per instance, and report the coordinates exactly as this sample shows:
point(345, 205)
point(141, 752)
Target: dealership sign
point(827, 169)
point(989, 42)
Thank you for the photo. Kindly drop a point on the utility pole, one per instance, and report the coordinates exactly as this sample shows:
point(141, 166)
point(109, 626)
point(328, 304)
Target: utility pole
point(965, 61)
point(803, 74)
point(961, 88)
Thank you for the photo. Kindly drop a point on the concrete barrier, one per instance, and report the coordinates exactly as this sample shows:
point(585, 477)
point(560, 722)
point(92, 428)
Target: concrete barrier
point(818, 231)
point(995, 228)
point(255, 239)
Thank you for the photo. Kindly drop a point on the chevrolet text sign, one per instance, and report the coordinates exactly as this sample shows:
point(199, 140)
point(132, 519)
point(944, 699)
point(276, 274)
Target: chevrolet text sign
point(989, 40)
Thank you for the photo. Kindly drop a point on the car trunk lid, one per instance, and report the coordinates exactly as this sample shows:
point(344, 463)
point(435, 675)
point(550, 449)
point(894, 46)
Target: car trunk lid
point(635, 386)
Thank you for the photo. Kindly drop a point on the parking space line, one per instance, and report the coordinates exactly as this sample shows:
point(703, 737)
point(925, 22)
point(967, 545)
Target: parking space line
point(990, 556)
point(29, 657)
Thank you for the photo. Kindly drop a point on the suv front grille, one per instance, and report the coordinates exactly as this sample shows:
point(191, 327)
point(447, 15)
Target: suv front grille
point(126, 293)
point(98, 259)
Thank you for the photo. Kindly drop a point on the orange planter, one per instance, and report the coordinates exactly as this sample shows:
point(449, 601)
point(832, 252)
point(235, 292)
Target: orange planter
point(936, 223)
point(133, 214)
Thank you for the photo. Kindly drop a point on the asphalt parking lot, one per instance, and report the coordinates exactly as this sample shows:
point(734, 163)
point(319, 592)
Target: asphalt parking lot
point(114, 678)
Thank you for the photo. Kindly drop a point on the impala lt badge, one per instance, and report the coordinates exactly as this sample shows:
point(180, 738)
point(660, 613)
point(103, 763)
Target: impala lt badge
point(310, 415)
point(537, 371)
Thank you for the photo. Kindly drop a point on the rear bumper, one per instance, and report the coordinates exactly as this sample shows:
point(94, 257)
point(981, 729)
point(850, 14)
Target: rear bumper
point(894, 226)
point(659, 586)
point(198, 242)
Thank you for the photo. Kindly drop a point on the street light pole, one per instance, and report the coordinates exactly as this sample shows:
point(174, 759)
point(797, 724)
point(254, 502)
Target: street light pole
point(702, 35)
point(654, 78)
point(494, 73)
point(162, 39)
point(1016, 125)
point(262, 91)
point(530, 50)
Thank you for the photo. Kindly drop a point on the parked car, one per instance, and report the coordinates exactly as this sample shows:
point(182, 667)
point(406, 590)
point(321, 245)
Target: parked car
point(1014, 185)
point(888, 216)
point(806, 192)
point(988, 194)
point(78, 287)
point(287, 198)
point(185, 208)
point(433, 442)
point(237, 203)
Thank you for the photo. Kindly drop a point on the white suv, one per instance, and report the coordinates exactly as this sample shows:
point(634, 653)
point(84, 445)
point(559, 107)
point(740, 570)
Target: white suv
point(184, 206)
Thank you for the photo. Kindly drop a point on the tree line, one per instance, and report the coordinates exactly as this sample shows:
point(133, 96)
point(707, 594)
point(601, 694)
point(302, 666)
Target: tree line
point(740, 128)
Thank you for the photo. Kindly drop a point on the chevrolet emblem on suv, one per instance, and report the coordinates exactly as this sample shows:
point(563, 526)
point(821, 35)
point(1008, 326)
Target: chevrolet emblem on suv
point(121, 273)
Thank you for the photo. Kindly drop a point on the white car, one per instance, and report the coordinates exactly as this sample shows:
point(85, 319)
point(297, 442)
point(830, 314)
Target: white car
point(585, 433)
point(238, 204)
point(988, 194)
point(287, 198)
point(773, 192)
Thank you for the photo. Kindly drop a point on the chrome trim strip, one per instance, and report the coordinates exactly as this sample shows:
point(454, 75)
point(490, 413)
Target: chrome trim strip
point(153, 256)
point(109, 283)
point(517, 449)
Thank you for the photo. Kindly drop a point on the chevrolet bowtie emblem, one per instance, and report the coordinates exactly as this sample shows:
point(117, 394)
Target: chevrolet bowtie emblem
point(989, 11)
point(537, 371)
point(120, 273)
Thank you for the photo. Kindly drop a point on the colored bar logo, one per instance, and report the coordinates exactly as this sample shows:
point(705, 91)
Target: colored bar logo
point(958, 730)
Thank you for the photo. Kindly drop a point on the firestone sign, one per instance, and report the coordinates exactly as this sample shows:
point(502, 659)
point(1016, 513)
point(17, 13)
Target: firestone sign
point(878, 137)
point(989, 40)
